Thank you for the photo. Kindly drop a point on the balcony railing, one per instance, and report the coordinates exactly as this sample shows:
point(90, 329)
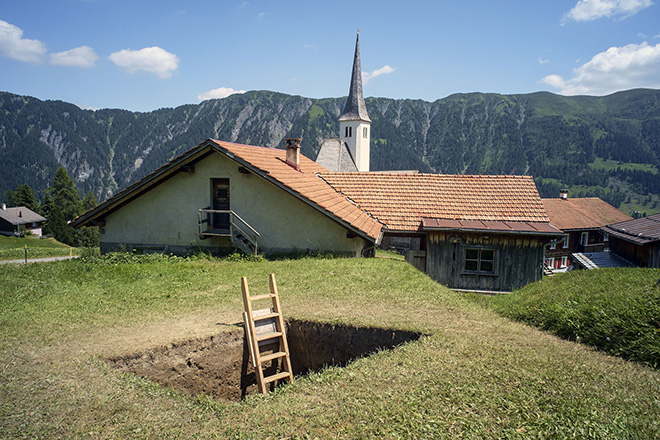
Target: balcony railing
point(242, 235)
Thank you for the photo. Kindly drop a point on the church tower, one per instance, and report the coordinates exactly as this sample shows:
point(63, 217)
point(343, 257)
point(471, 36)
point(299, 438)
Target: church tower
point(354, 122)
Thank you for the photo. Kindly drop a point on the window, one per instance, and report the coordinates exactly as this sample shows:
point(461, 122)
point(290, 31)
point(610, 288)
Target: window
point(584, 239)
point(553, 246)
point(480, 260)
point(348, 132)
point(365, 132)
point(564, 261)
point(550, 262)
point(565, 241)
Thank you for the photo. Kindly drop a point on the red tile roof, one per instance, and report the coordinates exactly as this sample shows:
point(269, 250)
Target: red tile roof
point(582, 213)
point(401, 201)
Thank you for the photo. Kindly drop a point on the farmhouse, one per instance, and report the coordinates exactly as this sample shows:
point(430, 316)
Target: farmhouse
point(220, 195)
point(15, 220)
point(581, 220)
point(473, 232)
point(637, 241)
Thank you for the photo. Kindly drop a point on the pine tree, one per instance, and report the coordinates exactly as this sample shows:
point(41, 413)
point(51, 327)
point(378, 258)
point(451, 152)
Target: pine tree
point(63, 205)
point(88, 236)
point(10, 197)
point(25, 197)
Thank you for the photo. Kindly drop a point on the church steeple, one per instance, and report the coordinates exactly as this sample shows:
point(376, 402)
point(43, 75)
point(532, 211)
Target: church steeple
point(355, 109)
point(354, 122)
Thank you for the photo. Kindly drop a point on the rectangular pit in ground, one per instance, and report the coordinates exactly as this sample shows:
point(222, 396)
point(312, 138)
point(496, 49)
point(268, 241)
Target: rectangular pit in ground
point(219, 365)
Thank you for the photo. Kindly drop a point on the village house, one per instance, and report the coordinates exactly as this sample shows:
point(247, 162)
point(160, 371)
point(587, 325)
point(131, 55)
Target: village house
point(637, 240)
point(475, 232)
point(19, 220)
point(220, 195)
point(581, 220)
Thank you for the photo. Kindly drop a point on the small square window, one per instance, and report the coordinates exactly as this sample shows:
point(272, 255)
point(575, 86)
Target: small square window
point(480, 260)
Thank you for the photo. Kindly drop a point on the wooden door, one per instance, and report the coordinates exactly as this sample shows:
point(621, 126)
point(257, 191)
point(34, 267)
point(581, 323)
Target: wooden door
point(220, 201)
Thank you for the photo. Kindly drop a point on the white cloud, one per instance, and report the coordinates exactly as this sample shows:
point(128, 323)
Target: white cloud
point(14, 46)
point(150, 59)
point(587, 10)
point(220, 92)
point(618, 68)
point(83, 56)
point(366, 76)
point(543, 61)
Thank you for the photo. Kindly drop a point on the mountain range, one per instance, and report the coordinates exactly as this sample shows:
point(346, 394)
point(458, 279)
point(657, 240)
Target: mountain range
point(595, 146)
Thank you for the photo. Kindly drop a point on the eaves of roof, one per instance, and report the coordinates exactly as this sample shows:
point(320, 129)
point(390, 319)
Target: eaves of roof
point(500, 227)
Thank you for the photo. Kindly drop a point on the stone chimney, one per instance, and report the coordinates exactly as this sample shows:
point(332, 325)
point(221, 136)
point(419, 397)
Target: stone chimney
point(563, 194)
point(293, 153)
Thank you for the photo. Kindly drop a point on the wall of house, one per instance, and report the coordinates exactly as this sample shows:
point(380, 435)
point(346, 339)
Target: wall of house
point(166, 217)
point(647, 255)
point(517, 260)
point(6, 227)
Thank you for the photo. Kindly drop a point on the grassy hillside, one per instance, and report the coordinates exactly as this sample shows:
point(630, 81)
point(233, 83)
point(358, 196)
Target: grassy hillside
point(614, 310)
point(13, 248)
point(475, 374)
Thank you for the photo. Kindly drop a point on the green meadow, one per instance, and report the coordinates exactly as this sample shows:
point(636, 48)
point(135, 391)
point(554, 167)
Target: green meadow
point(475, 373)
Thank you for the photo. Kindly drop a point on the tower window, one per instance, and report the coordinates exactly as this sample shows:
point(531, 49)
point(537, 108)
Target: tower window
point(364, 132)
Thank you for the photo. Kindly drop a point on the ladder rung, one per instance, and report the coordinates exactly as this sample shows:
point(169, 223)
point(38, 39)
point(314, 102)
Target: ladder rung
point(270, 357)
point(266, 316)
point(267, 336)
point(277, 376)
point(258, 297)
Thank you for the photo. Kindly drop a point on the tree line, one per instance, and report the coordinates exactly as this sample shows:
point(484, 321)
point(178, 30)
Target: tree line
point(61, 204)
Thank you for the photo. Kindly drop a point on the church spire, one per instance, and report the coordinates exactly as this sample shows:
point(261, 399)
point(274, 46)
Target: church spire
point(355, 109)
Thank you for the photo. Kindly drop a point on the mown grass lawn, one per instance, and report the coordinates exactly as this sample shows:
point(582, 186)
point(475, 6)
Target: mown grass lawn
point(13, 248)
point(476, 374)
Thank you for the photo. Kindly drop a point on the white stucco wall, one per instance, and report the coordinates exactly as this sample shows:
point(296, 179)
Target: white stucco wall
point(167, 215)
point(357, 143)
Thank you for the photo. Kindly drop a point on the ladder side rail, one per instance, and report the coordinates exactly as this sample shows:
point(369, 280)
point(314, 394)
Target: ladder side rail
point(251, 340)
point(255, 351)
point(281, 327)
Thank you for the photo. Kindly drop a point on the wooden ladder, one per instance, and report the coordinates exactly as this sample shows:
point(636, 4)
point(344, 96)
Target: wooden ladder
point(265, 331)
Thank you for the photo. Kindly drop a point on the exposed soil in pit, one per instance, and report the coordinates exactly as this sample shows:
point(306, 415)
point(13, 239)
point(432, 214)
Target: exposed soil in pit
point(219, 365)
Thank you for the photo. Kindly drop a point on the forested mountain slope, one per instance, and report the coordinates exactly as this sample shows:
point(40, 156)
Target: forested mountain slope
point(606, 146)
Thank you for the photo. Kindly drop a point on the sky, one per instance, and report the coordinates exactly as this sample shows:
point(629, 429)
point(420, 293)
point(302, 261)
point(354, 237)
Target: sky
point(142, 55)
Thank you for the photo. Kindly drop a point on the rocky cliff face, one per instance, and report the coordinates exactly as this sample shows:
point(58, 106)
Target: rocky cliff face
point(542, 134)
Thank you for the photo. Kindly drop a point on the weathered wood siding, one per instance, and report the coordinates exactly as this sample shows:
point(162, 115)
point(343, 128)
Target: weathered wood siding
point(518, 260)
point(647, 255)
